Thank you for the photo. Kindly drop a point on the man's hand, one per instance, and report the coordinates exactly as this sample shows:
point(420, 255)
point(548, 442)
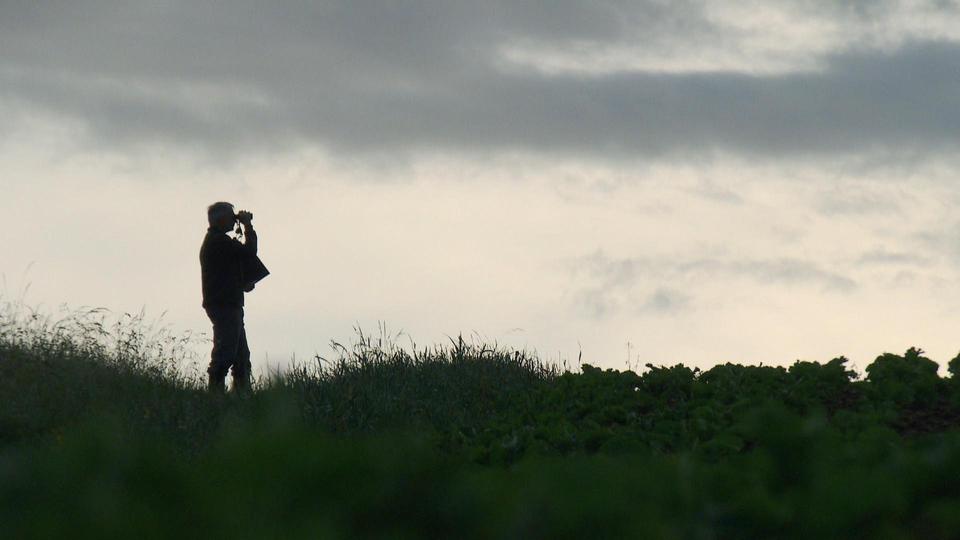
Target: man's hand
point(245, 217)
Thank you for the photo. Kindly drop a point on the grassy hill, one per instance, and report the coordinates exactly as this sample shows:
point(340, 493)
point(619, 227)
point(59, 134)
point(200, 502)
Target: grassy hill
point(103, 433)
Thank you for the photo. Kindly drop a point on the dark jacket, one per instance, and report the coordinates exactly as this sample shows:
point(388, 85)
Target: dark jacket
point(228, 268)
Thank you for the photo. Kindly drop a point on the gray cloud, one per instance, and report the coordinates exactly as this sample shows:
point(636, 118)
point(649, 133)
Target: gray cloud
point(600, 302)
point(429, 75)
point(940, 241)
point(625, 272)
point(843, 200)
point(714, 192)
point(789, 271)
point(665, 300)
point(608, 285)
point(882, 257)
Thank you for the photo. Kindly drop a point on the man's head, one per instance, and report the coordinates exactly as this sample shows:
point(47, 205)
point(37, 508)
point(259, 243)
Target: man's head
point(221, 217)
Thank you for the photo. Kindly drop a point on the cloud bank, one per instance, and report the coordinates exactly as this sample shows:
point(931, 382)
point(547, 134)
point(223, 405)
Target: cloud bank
point(616, 79)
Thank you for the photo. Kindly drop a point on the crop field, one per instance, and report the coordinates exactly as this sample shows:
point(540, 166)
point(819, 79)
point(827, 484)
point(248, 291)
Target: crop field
point(104, 433)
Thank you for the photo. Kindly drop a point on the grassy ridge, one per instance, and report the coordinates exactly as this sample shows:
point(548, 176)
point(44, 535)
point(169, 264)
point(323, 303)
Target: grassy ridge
point(101, 433)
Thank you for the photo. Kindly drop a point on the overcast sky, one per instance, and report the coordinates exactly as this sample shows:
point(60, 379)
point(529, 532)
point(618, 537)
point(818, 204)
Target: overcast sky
point(705, 181)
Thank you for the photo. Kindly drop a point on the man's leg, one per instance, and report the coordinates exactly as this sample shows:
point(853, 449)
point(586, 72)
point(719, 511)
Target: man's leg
point(226, 341)
point(241, 365)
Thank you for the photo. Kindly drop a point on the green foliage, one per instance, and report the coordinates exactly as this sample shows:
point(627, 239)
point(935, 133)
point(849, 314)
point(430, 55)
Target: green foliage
point(104, 432)
point(814, 385)
point(273, 476)
point(904, 380)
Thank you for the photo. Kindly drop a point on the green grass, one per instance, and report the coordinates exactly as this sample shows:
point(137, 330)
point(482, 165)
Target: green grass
point(106, 430)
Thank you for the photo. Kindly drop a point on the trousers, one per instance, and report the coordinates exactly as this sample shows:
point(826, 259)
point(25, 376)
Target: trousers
point(230, 351)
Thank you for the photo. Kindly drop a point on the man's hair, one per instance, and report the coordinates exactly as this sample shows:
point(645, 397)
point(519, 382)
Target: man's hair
point(216, 211)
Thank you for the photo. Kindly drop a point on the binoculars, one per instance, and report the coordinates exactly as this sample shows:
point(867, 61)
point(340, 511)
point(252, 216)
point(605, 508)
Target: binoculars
point(242, 217)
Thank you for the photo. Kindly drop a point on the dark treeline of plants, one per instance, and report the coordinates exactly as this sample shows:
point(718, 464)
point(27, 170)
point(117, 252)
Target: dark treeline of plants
point(496, 406)
point(103, 432)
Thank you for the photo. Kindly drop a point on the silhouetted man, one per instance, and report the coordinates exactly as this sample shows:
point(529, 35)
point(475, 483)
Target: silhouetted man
point(228, 268)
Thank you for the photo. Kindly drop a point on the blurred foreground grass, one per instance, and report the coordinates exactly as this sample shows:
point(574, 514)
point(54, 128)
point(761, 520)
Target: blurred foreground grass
point(104, 432)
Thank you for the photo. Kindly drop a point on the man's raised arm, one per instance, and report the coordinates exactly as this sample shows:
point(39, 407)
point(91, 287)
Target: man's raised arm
point(250, 239)
point(249, 245)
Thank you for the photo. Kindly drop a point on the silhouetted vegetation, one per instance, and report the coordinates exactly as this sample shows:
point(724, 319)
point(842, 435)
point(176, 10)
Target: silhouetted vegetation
point(105, 430)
